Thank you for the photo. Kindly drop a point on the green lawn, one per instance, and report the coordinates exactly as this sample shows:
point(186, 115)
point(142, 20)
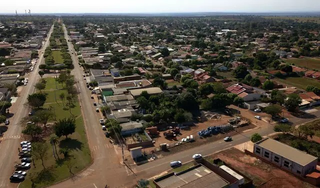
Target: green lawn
point(310, 63)
point(174, 83)
point(79, 150)
point(57, 56)
point(299, 82)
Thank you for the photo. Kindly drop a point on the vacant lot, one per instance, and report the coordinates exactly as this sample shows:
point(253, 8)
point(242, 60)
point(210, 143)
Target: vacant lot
point(58, 170)
point(309, 63)
point(299, 82)
point(262, 174)
point(57, 56)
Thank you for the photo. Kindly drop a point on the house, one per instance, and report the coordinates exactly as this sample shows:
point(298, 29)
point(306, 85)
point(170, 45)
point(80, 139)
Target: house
point(309, 99)
point(130, 128)
point(150, 91)
point(316, 75)
point(286, 157)
point(5, 94)
point(221, 67)
point(203, 78)
point(309, 73)
point(298, 69)
point(247, 93)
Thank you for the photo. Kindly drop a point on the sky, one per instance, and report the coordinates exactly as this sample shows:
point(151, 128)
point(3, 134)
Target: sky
point(157, 6)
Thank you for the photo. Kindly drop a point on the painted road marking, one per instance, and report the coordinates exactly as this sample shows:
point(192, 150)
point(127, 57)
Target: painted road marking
point(87, 172)
point(12, 137)
point(95, 185)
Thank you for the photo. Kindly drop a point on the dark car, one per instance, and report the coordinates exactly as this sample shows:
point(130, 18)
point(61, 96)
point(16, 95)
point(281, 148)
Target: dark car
point(25, 154)
point(16, 178)
point(107, 134)
point(284, 120)
point(26, 159)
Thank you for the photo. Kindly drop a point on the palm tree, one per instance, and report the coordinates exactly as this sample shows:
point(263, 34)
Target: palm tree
point(54, 140)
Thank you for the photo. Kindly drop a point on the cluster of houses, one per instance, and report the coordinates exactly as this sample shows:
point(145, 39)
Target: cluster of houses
point(19, 54)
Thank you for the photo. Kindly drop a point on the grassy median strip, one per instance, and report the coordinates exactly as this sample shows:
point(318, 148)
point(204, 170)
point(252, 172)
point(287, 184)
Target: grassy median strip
point(79, 152)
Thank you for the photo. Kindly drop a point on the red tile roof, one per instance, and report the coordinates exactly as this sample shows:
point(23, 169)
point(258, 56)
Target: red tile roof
point(313, 95)
point(316, 75)
point(309, 73)
point(298, 69)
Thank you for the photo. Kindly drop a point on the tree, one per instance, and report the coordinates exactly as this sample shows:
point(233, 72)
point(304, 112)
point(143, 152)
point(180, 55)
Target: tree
point(238, 101)
point(255, 82)
point(40, 86)
point(256, 137)
point(206, 89)
point(187, 102)
point(218, 88)
point(62, 97)
point(206, 104)
point(32, 130)
point(39, 151)
point(293, 101)
point(174, 72)
point(278, 96)
point(273, 110)
point(114, 127)
point(37, 100)
point(4, 105)
point(285, 128)
point(2, 118)
point(268, 85)
point(159, 82)
point(165, 52)
point(179, 118)
point(43, 116)
point(41, 73)
point(64, 127)
point(54, 140)
point(241, 71)
point(143, 102)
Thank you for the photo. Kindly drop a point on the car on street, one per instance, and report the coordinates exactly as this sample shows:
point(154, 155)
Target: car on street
point(7, 122)
point(16, 178)
point(197, 156)
point(104, 128)
point(26, 146)
point(175, 164)
point(92, 97)
point(257, 117)
point(26, 149)
point(26, 159)
point(107, 134)
point(102, 121)
point(20, 172)
point(97, 109)
point(94, 104)
point(227, 139)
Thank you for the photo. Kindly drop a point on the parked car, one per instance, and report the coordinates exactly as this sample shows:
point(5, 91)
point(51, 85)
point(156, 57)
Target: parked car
point(107, 134)
point(25, 142)
point(258, 117)
point(26, 149)
point(26, 146)
point(227, 139)
point(175, 164)
point(24, 165)
point(97, 109)
point(94, 104)
point(7, 122)
point(284, 120)
point(102, 121)
point(257, 110)
point(197, 156)
point(104, 128)
point(25, 154)
point(16, 178)
point(26, 159)
point(92, 97)
point(22, 173)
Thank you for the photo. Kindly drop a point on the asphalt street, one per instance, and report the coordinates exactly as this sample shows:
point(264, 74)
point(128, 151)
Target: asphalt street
point(12, 137)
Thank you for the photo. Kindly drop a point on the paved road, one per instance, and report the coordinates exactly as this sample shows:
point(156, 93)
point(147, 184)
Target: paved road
point(11, 140)
point(106, 168)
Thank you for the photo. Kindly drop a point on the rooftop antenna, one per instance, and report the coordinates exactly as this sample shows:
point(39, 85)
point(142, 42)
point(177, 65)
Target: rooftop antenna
point(29, 12)
point(25, 11)
point(16, 13)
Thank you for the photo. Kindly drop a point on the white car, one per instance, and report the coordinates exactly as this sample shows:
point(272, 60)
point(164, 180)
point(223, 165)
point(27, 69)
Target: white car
point(22, 173)
point(197, 156)
point(26, 146)
point(101, 121)
point(257, 110)
point(104, 128)
point(258, 117)
point(24, 142)
point(26, 149)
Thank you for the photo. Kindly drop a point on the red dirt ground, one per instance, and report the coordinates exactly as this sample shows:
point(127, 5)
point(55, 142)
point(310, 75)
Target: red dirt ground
point(262, 174)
